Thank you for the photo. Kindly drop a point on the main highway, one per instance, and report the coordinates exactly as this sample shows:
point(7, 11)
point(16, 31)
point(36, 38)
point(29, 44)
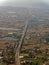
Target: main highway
point(17, 60)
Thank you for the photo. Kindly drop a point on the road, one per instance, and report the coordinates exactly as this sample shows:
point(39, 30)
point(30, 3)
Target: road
point(17, 60)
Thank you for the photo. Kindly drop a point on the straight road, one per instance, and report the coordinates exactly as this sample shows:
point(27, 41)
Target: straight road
point(17, 60)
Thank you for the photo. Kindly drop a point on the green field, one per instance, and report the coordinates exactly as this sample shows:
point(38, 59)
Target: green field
point(1, 63)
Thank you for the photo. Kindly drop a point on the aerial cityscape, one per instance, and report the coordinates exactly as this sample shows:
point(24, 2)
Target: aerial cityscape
point(24, 33)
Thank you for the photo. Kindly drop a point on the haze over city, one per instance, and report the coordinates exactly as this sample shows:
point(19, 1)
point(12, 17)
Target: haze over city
point(23, 3)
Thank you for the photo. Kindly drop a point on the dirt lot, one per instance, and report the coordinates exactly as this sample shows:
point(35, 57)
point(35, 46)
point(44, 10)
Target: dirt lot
point(3, 43)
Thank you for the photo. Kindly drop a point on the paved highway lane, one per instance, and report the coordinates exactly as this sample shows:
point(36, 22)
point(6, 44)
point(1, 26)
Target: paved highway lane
point(23, 36)
point(17, 60)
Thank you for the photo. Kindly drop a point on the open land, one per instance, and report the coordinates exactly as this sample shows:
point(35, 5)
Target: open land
point(35, 47)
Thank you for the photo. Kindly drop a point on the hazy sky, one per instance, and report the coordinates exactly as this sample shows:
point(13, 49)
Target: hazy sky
point(22, 2)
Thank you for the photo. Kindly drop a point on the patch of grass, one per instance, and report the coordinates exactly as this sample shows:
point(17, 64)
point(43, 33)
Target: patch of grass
point(1, 63)
point(22, 54)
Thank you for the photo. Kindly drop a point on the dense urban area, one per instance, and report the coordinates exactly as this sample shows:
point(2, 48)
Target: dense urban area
point(24, 32)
